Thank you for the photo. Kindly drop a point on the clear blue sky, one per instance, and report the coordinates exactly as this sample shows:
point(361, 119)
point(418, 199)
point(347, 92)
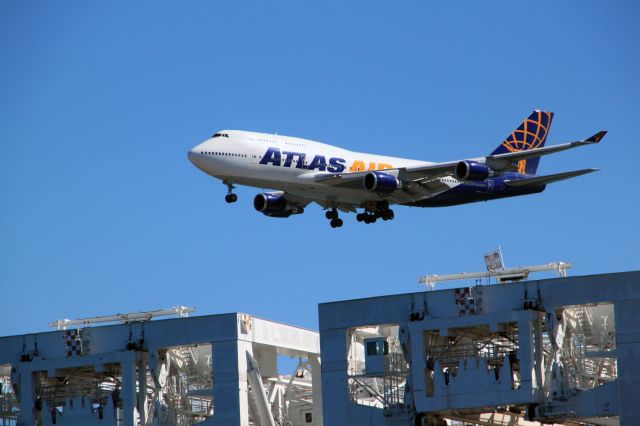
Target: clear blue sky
point(101, 212)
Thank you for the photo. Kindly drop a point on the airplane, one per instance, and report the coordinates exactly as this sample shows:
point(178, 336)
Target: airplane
point(302, 171)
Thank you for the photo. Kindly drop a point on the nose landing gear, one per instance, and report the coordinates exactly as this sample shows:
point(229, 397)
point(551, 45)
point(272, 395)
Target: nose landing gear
point(230, 197)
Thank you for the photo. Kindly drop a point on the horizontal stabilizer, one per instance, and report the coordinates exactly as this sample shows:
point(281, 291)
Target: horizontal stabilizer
point(543, 180)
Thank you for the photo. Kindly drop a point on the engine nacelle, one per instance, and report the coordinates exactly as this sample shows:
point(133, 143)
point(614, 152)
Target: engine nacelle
point(275, 205)
point(381, 182)
point(472, 170)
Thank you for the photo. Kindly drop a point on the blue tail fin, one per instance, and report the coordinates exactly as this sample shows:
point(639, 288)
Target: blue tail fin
point(532, 133)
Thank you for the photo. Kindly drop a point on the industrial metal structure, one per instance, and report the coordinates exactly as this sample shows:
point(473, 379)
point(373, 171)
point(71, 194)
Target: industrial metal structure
point(497, 269)
point(563, 350)
point(209, 370)
point(63, 324)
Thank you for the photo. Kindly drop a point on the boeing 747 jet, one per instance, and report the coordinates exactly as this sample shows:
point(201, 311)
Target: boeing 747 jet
point(303, 171)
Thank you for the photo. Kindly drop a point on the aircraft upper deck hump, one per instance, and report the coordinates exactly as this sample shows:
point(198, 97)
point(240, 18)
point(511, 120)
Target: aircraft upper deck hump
point(532, 133)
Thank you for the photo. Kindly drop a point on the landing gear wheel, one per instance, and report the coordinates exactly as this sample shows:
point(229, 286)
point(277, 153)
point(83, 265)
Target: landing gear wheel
point(360, 217)
point(387, 214)
point(230, 197)
point(331, 214)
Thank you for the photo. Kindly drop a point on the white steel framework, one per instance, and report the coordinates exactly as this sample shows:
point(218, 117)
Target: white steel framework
point(553, 351)
point(209, 370)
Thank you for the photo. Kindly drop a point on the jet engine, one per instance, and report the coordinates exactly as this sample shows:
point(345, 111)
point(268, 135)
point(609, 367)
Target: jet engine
point(381, 182)
point(472, 170)
point(275, 205)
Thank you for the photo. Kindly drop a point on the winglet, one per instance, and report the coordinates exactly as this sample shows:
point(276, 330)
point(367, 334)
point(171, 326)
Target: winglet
point(597, 137)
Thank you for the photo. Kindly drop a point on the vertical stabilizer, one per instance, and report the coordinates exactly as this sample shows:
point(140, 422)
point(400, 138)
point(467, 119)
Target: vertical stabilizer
point(532, 133)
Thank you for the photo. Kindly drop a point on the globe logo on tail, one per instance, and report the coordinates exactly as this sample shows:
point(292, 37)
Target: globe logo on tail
point(531, 134)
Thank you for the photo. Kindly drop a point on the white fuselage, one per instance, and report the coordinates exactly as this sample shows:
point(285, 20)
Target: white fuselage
point(289, 164)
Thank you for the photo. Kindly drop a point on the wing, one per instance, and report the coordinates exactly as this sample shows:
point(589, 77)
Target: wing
point(428, 176)
point(353, 180)
point(418, 182)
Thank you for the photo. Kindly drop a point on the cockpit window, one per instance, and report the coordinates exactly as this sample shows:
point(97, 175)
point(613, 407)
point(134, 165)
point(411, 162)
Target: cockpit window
point(220, 135)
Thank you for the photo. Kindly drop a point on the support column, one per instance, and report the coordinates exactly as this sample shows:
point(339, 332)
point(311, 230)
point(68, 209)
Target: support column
point(230, 390)
point(538, 356)
point(316, 383)
point(128, 391)
point(628, 353)
point(526, 358)
point(142, 381)
point(335, 390)
point(27, 396)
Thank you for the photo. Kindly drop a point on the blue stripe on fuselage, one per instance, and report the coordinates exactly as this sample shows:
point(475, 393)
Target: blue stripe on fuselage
point(483, 190)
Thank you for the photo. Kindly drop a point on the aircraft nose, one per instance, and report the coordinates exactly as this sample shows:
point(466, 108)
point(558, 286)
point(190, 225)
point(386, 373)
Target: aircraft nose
point(193, 155)
point(196, 157)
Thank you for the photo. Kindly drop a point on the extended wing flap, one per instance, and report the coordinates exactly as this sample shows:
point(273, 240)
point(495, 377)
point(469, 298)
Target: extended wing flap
point(428, 172)
point(342, 180)
point(543, 180)
point(427, 187)
point(354, 180)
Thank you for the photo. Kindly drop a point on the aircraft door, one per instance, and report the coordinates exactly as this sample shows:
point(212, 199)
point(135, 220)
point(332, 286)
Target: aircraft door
point(489, 186)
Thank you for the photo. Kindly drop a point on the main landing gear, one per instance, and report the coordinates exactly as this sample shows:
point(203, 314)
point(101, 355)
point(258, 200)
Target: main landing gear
point(230, 197)
point(382, 212)
point(332, 215)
